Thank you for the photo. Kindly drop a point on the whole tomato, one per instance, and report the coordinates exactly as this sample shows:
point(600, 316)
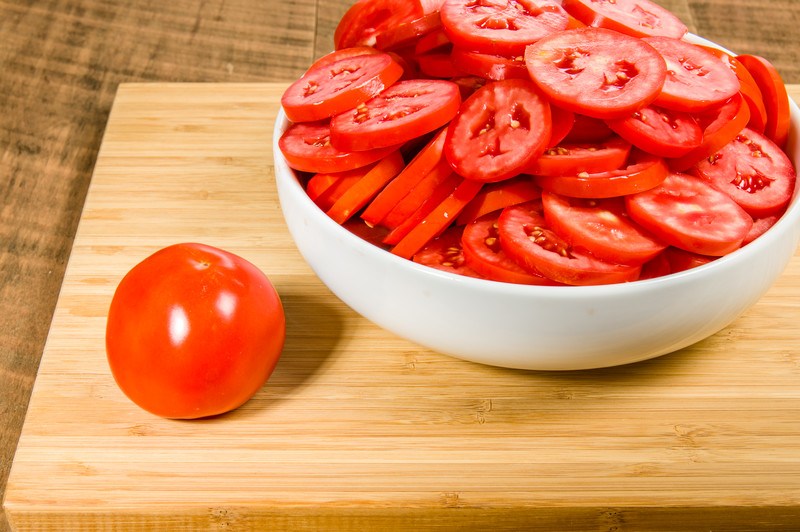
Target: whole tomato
point(193, 331)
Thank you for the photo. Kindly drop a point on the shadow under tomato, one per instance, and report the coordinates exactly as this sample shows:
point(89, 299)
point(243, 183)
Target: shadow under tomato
point(313, 330)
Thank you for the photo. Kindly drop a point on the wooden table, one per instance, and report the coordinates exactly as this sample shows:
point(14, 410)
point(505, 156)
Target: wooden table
point(61, 65)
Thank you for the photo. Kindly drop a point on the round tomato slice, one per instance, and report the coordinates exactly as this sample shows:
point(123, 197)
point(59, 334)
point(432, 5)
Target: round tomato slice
point(362, 22)
point(573, 159)
point(336, 87)
point(639, 18)
point(483, 253)
point(528, 241)
point(306, 146)
point(597, 72)
point(439, 64)
point(407, 33)
point(719, 128)
point(753, 171)
point(775, 97)
point(344, 53)
point(501, 27)
point(690, 214)
point(498, 131)
point(696, 79)
point(445, 253)
point(404, 111)
point(587, 129)
point(660, 131)
point(601, 226)
point(489, 66)
point(643, 172)
point(497, 196)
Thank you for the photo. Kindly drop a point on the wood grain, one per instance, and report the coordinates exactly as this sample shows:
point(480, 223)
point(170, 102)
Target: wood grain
point(355, 429)
point(61, 62)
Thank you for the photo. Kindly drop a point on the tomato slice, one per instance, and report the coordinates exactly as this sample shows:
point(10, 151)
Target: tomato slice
point(434, 40)
point(417, 196)
point(484, 254)
point(597, 72)
point(420, 166)
point(753, 171)
point(656, 267)
point(572, 159)
point(498, 131)
point(407, 32)
point(440, 192)
point(775, 97)
point(639, 18)
point(528, 241)
point(339, 86)
point(587, 129)
point(439, 219)
point(660, 131)
point(690, 214)
point(325, 189)
point(445, 253)
point(696, 79)
point(719, 128)
point(563, 122)
point(358, 195)
point(680, 260)
point(496, 196)
point(439, 64)
point(402, 112)
point(601, 226)
point(489, 66)
point(643, 172)
point(501, 27)
point(373, 235)
point(362, 22)
point(760, 226)
point(338, 55)
point(306, 146)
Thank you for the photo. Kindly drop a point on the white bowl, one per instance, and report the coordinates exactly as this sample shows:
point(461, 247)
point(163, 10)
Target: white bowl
point(536, 327)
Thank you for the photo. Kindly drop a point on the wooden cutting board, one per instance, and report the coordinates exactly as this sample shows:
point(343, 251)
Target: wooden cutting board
point(359, 429)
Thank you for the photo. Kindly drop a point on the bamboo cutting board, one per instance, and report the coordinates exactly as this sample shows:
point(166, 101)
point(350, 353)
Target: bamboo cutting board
point(358, 429)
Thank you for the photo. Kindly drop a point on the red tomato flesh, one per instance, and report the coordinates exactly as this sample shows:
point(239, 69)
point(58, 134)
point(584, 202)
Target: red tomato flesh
point(639, 18)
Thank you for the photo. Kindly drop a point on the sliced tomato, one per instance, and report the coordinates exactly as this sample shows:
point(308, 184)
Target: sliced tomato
point(373, 235)
point(760, 226)
point(420, 166)
point(408, 32)
point(439, 219)
point(432, 41)
point(597, 72)
point(572, 159)
point(489, 66)
point(660, 131)
point(401, 113)
point(753, 171)
point(720, 127)
point(643, 172)
point(469, 84)
point(325, 189)
point(431, 201)
point(775, 97)
point(656, 267)
point(483, 253)
point(339, 86)
point(361, 23)
point(501, 27)
point(498, 131)
point(361, 192)
point(696, 79)
point(690, 214)
point(496, 196)
point(528, 241)
point(445, 253)
point(439, 64)
point(639, 18)
point(680, 260)
point(601, 226)
point(338, 55)
point(306, 146)
point(417, 196)
point(586, 129)
point(563, 121)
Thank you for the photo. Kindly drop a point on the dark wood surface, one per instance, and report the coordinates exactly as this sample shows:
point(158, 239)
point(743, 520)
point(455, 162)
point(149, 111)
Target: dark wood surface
point(62, 60)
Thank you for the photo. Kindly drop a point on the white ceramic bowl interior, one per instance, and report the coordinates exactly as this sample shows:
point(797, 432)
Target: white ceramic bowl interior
point(536, 327)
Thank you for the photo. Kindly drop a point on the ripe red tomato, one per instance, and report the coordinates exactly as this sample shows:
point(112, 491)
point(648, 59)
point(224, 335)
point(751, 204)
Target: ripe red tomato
point(193, 331)
point(640, 18)
point(600, 73)
point(660, 131)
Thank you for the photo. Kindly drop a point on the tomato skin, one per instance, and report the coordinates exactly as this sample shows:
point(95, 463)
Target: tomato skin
point(775, 97)
point(361, 23)
point(597, 72)
point(193, 331)
point(690, 214)
point(753, 171)
point(498, 131)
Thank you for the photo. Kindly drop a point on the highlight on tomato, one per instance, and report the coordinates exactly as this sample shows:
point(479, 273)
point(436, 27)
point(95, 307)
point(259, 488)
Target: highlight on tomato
point(556, 142)
point(193, 331)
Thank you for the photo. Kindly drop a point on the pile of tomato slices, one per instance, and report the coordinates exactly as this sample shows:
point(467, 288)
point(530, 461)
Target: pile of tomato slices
point(548, 142)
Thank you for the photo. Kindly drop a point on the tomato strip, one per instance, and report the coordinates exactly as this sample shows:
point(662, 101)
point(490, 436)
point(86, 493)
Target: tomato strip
point(365, 189)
